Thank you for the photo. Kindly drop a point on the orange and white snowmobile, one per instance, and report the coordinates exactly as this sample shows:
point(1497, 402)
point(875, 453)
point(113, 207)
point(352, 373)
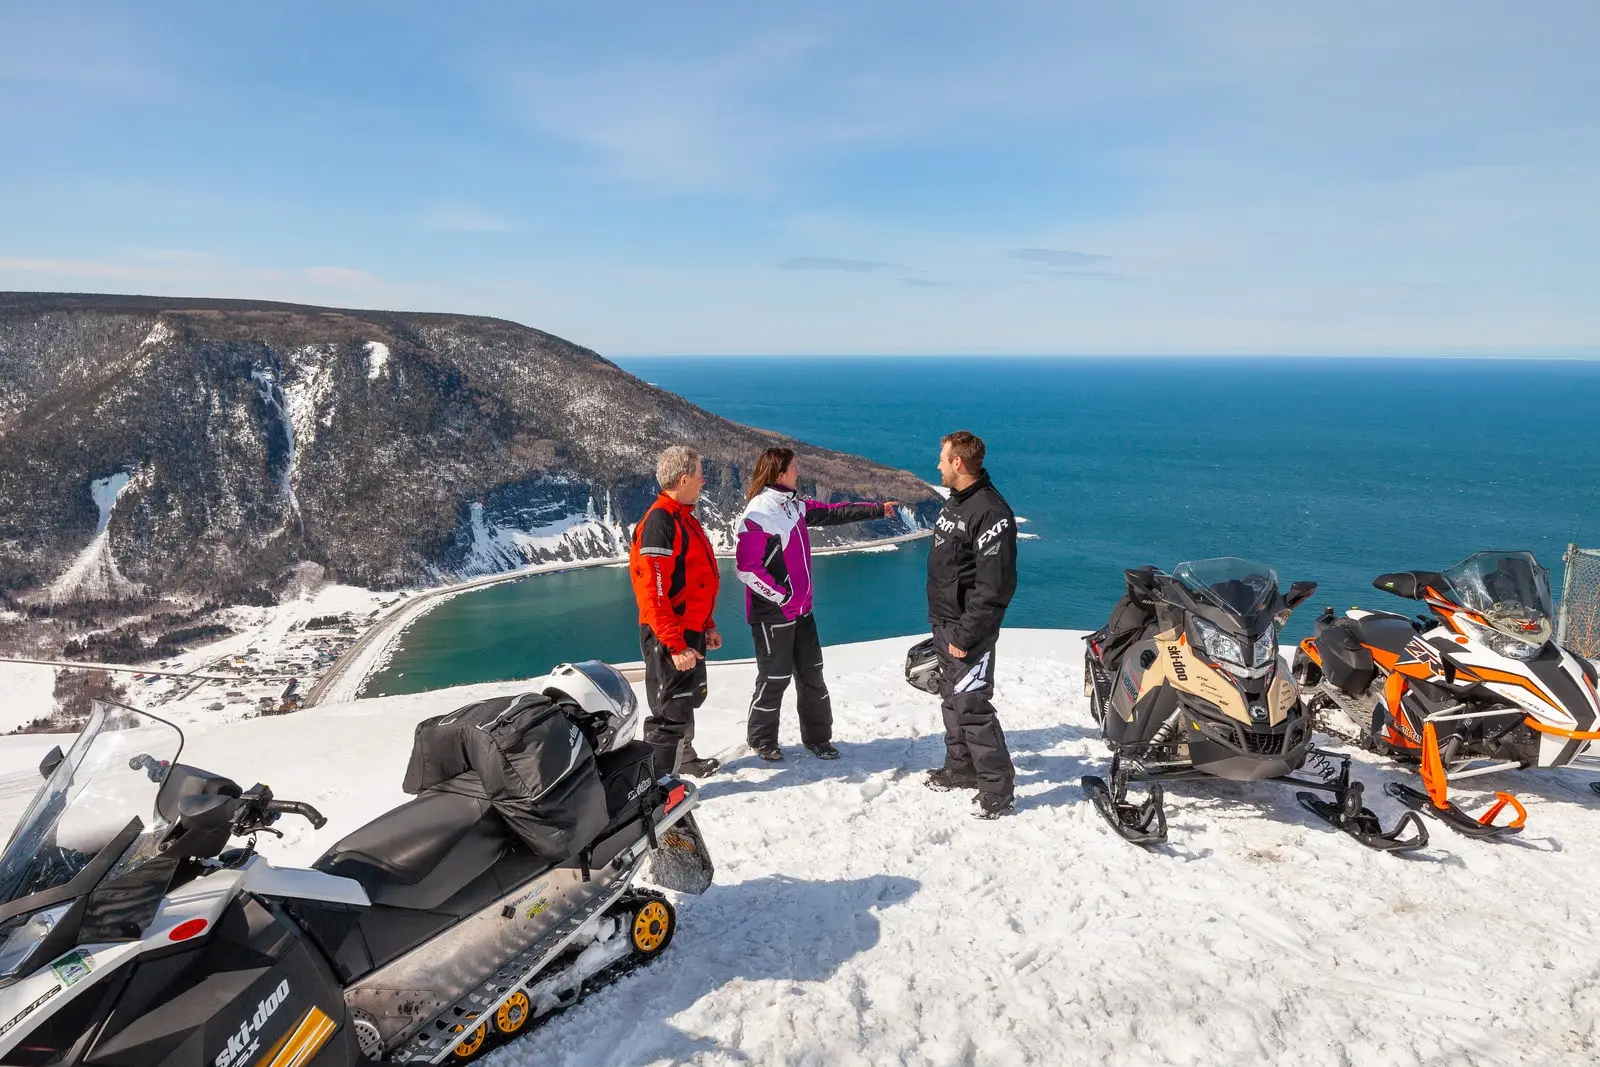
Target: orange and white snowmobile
point(1478, 687)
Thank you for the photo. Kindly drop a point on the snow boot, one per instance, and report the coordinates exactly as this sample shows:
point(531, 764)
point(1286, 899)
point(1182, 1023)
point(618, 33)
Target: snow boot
point(768, 750)
point(994, 805)
point(824, 750)
point(944, 779)
point(699, 768)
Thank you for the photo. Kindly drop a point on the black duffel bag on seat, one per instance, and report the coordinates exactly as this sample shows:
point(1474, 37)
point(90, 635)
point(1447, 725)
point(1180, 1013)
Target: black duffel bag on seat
point(522, 755)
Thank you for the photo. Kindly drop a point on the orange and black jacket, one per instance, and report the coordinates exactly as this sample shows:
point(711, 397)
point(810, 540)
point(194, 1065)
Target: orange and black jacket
point(674, 572)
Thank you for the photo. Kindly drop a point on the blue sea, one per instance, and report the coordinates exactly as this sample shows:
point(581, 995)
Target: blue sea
point(1330, 470)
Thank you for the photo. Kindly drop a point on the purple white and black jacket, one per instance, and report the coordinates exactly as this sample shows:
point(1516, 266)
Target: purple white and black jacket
point(772, 553)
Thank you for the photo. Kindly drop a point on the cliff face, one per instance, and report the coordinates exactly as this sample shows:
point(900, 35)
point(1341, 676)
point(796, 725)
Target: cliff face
point(167, 446)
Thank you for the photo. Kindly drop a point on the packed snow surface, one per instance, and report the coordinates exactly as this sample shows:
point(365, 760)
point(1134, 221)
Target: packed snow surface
point(860, 919)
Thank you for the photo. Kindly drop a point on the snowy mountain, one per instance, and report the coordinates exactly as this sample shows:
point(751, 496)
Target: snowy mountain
point(153, 445)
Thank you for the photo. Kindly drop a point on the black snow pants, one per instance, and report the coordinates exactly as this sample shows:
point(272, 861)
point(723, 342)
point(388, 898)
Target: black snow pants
point(973, 740)
point(787, 650)
point(672, 695)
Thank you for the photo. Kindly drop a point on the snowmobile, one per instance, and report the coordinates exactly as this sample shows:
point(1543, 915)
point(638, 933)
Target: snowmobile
point(1186, 682)
point(1476, 687)
point(135, 931)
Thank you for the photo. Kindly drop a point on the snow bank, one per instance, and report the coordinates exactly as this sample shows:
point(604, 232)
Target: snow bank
point(859, 919)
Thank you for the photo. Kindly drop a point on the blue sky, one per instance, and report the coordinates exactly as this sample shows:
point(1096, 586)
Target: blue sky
point(839, 178)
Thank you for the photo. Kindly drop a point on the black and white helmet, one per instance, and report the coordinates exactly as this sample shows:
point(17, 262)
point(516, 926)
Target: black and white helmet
point(922, 666)
point(610, 709)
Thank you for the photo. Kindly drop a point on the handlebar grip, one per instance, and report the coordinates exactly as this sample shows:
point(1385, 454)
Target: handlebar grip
point(296, 807)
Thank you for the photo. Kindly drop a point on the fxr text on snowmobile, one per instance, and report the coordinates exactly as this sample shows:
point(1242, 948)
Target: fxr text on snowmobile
point(1186, 682)
point(132, 935)
point(1478, 686)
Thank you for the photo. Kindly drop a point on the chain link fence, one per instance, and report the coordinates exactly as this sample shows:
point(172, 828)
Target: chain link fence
point(1578, 623)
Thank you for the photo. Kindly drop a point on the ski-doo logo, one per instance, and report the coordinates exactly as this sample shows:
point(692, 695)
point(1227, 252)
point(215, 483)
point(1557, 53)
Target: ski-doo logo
point(1175, 654)
point(639, 789)
point(247, 1038)
point(992, 532)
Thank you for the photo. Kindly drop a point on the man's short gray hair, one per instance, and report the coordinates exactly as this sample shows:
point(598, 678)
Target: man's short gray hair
point(674, 463)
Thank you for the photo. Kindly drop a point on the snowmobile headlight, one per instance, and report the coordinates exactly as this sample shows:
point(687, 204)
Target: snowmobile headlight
point(23, 934)
point(1501, 644)
point(1509, 646)
point(1222, 647)
point(1266, 648)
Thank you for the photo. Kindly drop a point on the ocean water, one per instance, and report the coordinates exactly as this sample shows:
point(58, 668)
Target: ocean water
point(1329, 470)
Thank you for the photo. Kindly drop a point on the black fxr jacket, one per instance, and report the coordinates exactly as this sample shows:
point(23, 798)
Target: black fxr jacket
point(972, 566)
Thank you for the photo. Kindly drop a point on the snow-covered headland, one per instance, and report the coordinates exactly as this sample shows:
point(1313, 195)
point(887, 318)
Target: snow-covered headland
point(860, 919)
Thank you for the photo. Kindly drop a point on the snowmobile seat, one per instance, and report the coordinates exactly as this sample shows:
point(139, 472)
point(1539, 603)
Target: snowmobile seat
point(1384, 630)
point(1345, 660)
point(440, 834)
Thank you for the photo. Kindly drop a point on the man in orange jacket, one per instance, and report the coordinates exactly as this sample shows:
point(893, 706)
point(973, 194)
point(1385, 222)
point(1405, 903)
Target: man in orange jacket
point(674, 573)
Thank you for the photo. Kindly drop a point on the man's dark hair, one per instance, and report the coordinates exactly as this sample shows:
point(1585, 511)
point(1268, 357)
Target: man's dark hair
point(966, 446)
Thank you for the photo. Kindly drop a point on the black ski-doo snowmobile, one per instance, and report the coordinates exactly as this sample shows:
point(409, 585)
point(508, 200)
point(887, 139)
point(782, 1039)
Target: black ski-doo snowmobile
point(133, 935)
point(1186, 682)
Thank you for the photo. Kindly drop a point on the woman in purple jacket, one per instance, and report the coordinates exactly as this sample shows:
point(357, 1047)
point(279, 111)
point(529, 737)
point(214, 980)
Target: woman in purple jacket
point(773, 559)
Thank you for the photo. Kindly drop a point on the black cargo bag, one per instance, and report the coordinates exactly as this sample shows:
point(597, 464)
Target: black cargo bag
point(629, 777)
point(522, 755)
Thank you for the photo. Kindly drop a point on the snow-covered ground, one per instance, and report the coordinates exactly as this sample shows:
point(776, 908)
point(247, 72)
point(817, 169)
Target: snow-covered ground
point(858, 918)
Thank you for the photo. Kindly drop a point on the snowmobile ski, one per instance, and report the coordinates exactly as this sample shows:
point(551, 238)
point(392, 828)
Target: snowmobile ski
point(1595, 786)
point(1361, 823)
point(1345, 811)
point(1458, 820)
point(1142, 824)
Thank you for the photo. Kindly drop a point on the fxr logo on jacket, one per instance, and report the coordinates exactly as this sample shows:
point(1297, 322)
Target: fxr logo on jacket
point(992, 532)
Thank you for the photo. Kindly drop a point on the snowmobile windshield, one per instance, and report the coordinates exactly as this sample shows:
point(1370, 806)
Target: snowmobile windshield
point(1509, 589)
point(1235, 585)
point(112, 774)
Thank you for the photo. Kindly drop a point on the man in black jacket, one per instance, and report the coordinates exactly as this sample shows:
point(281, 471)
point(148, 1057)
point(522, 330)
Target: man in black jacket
point(972, 572)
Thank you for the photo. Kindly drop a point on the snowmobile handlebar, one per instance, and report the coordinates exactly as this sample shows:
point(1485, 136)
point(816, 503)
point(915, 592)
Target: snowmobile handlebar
point(296, 807)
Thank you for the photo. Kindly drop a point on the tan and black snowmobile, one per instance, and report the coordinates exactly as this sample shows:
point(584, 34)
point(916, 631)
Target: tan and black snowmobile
point(1186, 682)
